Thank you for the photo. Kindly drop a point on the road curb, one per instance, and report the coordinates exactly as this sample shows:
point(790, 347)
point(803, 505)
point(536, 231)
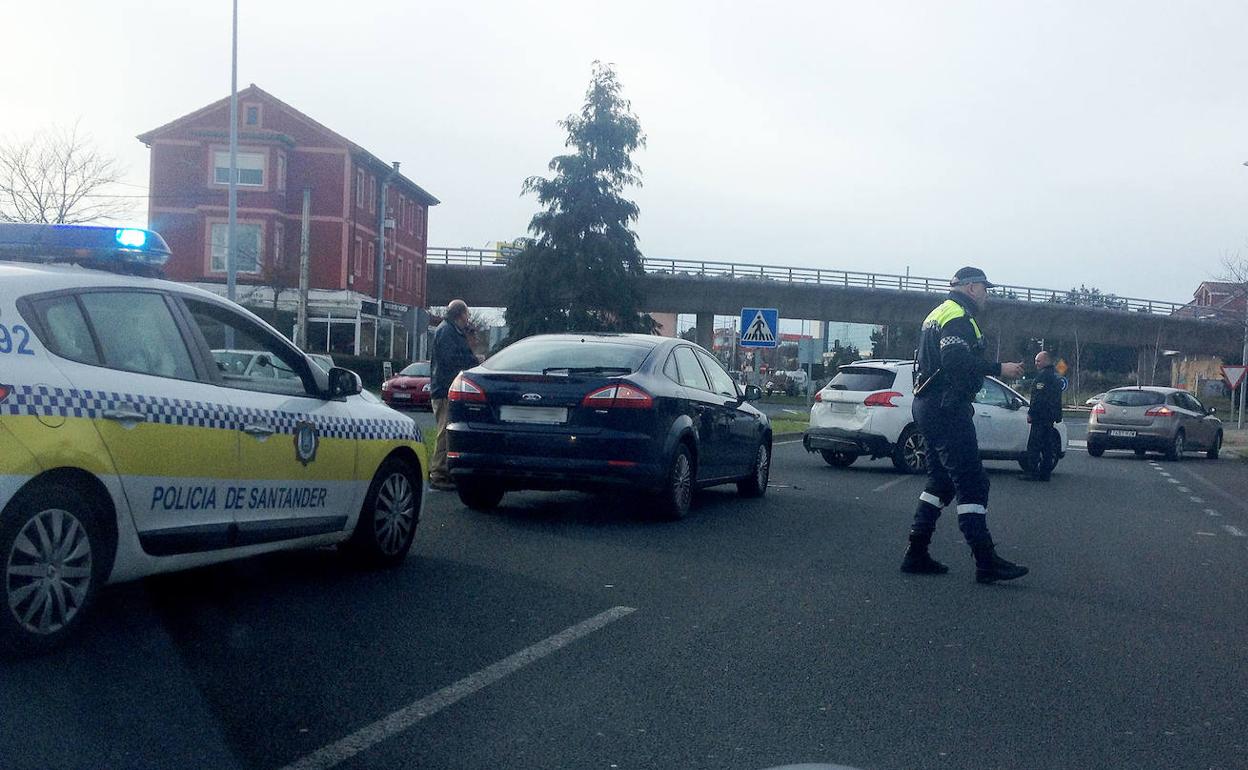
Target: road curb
point(786, 437)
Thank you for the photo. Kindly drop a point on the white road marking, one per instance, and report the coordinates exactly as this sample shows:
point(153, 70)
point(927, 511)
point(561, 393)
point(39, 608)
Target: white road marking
point(888, 484)
point(1173, 480)
point(1165, 473)
point(1208, 534)
point(387, 727)
point(1212, 512)
point(1077, 444)
point(1184, 490)
point(1236, 531)
point(782, 443)
point(1196, 499)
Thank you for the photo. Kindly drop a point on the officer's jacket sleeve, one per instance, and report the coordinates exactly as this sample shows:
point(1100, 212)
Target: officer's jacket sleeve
point(959, 354)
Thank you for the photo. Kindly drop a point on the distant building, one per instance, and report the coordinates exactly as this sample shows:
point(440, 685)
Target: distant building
point(1218, 298)
point(362, 301)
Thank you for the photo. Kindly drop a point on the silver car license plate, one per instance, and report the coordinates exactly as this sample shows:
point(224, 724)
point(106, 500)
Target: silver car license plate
point(539, 415)
point(1122, 433)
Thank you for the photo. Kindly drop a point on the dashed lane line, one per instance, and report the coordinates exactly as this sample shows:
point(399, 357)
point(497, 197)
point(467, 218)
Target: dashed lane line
point(1236, 531)
point(1212, 512)
point(387, 727)
point(889, 484)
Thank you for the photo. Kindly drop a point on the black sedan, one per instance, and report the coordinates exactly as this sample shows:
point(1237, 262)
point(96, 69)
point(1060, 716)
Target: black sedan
point(601, 411)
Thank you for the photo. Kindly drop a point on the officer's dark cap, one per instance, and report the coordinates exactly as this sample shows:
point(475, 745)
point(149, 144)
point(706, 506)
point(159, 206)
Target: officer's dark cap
point(968, 275)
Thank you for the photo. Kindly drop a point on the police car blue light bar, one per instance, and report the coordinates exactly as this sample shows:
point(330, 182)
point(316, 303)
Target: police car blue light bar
point(123, 249)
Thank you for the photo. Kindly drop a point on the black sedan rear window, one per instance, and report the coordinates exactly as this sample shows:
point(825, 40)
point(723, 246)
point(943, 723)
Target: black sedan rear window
point(1135, 398)
point(557, 356)
point(864, 378)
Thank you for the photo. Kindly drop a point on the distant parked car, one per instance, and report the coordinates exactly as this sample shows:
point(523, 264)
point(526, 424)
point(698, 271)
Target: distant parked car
point(410, 387)
point(865, 411)
point(1098, 398)
point(1165, 420)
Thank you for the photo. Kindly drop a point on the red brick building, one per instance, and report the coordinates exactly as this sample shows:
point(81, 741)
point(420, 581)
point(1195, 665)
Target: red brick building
point(354, 194)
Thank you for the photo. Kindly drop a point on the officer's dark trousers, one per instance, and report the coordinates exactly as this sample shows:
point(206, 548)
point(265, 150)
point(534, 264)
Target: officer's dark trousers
point(1042, 447)
point(953, 469)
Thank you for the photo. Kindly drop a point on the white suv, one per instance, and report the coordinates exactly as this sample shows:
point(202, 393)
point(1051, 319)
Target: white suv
point(866, 411)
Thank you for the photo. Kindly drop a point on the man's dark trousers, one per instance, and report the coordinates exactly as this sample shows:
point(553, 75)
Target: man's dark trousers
point(1042, 448)
point(953, 469)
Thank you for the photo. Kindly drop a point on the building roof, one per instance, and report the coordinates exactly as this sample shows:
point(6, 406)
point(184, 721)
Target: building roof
point(359, 152)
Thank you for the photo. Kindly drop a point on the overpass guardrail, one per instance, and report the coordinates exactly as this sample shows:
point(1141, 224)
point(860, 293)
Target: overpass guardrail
point(844, 278)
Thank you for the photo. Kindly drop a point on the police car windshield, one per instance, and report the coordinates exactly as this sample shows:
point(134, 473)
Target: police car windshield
point(418, 369)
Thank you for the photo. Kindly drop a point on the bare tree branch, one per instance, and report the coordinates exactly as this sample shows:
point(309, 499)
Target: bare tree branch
point(59, 177)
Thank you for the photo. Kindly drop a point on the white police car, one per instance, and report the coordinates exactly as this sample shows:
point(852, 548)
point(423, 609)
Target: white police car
point(126, 449)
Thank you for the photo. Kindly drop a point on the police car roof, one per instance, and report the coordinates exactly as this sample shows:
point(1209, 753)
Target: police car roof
point(31, 278)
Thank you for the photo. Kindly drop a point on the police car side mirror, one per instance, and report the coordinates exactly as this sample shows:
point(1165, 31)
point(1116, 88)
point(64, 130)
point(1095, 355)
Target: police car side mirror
point(753, 393)
point(344, 382)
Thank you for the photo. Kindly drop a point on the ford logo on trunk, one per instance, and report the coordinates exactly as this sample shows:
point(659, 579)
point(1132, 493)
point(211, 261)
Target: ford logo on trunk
point(531, 397)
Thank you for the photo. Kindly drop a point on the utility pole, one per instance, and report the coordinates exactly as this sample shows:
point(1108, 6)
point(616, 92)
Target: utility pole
point(302, 320)
point(1243, 361)
point(231, 237)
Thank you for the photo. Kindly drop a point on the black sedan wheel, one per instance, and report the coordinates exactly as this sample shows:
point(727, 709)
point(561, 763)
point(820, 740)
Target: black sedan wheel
point(479, 496)
point(755, 485)
point(677, 494)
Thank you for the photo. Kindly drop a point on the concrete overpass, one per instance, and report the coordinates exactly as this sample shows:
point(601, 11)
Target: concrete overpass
point(723, 288)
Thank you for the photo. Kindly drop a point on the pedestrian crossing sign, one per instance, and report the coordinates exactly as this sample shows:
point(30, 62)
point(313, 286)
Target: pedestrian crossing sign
point(760, 327)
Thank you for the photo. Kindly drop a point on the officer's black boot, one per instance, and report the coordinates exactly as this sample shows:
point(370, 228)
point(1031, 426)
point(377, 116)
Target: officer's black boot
point(917, 560)
point(989, 568)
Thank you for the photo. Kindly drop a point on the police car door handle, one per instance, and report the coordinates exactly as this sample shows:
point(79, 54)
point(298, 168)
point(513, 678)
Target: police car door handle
point(259, 431)
point(123, 415)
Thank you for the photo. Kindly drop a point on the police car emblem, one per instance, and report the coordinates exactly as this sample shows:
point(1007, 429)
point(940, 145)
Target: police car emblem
point(306, 442)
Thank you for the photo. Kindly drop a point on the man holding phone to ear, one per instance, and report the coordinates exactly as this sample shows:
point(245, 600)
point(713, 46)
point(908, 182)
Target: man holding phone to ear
point(950, 370)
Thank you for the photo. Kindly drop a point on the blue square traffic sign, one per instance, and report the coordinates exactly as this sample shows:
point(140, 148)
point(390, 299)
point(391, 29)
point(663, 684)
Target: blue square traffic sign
point(760, 327)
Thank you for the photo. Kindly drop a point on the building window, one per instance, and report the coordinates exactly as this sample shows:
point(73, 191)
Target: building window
point(372, 196)
point(252, 114)
point(400, 278)
point(250, 250)
point(281, 171)
point(372, 259)
point(359, 188)
point(250, 168)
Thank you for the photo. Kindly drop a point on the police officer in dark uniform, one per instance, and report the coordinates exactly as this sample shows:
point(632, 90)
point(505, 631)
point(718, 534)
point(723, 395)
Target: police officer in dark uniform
point(1046, 408)
point(950, 370)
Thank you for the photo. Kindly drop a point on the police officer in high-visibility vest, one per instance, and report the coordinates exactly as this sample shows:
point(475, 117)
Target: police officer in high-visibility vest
point(950, 370)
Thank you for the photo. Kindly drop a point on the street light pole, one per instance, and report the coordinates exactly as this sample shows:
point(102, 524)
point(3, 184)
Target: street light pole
point(231, 239)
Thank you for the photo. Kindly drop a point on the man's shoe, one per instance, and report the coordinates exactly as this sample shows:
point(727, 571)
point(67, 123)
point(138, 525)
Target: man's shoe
point(989, 568)
point(918, 561)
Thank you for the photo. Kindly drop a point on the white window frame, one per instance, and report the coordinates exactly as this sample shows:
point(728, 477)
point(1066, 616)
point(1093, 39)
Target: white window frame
point(218, 249)
point(249, 160)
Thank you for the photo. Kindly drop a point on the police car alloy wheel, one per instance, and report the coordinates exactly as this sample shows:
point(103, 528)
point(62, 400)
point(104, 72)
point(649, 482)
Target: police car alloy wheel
point(53, 553)
point(387, 524)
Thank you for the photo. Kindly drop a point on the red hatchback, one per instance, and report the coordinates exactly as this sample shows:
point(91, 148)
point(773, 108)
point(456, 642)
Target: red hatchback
point(408, 388)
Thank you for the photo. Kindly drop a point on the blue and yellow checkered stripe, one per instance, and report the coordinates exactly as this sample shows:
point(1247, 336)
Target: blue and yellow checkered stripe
point(44, 401)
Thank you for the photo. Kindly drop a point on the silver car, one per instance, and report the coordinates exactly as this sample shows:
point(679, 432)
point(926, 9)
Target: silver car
point(1165, 420)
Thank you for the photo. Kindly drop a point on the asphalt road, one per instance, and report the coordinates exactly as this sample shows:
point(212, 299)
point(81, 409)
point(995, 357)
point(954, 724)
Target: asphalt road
point(752, 634)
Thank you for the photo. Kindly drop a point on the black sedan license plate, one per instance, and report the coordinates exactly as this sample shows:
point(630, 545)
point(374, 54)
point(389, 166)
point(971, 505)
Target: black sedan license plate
point(539, 415)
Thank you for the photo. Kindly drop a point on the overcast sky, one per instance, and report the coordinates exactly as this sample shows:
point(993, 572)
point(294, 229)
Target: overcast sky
point(1051, 143)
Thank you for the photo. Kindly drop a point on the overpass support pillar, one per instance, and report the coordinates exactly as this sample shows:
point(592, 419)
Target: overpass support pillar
point(1144, 365)
point(704, 330)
